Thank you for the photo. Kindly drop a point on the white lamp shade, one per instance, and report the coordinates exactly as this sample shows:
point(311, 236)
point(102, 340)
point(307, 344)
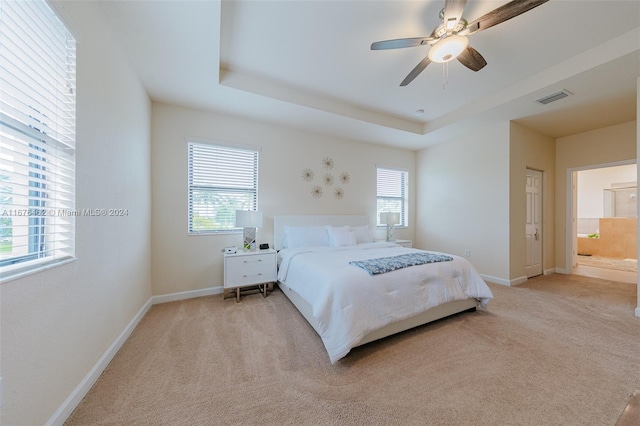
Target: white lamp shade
point(390, 218)
point(248, 219)
point(448, 48)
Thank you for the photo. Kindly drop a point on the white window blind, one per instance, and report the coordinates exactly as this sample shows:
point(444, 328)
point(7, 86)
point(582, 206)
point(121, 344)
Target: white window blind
point(393, 193)
point(37, 136)
point(222, 179)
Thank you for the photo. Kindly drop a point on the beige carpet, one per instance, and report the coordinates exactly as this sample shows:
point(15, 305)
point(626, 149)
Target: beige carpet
point(629, 265)
point(557, 350)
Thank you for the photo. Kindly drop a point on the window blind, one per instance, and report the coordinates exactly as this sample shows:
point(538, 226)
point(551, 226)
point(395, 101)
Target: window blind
point(222, 179)
point(392, 193)
point(37, 135)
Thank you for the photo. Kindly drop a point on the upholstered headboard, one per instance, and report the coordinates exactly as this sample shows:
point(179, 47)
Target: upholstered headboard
point(279, 222)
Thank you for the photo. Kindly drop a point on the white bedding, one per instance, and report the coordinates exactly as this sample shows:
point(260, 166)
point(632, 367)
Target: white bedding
point(348, 303)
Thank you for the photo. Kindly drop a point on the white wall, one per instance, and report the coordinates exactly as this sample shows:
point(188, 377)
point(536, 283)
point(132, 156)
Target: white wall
point(592, 183)
point(285, 153)
point(463, 199)
point(530, 149)
point(585, 150)
point(56, 324)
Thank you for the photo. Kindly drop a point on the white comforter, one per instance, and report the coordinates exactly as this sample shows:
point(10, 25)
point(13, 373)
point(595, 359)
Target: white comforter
point(348, 303)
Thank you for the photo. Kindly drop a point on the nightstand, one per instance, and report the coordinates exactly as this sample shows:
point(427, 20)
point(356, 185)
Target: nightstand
point(249, 268)
point(404, 243)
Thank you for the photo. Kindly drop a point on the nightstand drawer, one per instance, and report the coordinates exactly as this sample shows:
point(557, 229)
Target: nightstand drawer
point(242, 278)
point(405, 243)
point(250, 275)
point(257, 261)
point(244, 269)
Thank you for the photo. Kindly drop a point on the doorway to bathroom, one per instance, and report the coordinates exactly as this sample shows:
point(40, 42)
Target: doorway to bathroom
point(605, 238)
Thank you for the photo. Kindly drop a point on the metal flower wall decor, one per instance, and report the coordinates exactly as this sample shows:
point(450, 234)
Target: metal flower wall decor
point(316, 191)
point(328, 179)
point(307, 175)
point(327, 163)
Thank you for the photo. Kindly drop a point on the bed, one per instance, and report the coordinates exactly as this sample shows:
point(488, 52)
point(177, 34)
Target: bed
point(324, 275)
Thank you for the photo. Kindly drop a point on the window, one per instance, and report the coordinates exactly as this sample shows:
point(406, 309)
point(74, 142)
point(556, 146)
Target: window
point(393, 193)
point(222, 179)
point(37, 137)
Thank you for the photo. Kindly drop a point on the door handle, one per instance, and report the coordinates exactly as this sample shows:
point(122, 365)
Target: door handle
point(536, 235)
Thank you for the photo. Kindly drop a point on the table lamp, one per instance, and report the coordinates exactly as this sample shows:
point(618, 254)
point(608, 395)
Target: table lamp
point(390, 219)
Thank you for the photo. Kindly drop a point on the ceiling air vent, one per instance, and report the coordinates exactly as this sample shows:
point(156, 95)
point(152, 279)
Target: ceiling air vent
point(553, 97)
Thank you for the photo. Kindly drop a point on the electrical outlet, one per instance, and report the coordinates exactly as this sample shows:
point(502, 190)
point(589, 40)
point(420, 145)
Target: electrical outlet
point(467, 253)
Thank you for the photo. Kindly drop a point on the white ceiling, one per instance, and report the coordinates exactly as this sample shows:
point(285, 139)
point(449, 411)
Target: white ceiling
point(307, 64)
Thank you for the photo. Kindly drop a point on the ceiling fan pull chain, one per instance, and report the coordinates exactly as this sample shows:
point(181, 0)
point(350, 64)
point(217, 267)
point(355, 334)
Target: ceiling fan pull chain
point(445, 74)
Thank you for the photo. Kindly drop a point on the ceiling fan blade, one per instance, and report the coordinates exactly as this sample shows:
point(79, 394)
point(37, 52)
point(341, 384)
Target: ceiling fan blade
point(400, 43)
point(416, 71)
point(472, 59)
point(452, 13)
point(501, 14)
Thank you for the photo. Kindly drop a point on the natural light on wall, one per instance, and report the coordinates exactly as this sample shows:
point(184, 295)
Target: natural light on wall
point(37, 138)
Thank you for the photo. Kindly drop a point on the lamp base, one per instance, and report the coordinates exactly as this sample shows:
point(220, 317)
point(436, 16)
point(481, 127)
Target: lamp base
point(249, 238)
point(390, 233)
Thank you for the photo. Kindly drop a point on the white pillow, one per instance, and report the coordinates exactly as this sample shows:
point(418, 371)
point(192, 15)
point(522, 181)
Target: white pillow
point(334, 232)
point(363, 234)
point(343, 239)
point(305, 236)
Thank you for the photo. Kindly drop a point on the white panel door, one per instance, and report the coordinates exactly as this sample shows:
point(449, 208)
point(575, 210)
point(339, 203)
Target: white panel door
point(534, 223)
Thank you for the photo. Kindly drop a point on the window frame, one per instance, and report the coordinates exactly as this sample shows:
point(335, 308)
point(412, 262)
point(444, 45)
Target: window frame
point(238, 190)
point(403, 198)
point(38, 139)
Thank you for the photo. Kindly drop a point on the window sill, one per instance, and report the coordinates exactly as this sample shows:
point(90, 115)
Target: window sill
point(33, 268)
point(222, 232)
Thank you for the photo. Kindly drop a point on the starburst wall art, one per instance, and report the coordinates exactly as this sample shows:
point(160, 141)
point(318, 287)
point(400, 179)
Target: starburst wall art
point(328, 179)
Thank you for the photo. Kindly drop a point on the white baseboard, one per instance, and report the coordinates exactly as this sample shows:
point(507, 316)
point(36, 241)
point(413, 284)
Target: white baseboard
point(520, 280)
point(517, 281)
point(503, 281)
point(495, 280)
point(72, 401)
point(182, 295)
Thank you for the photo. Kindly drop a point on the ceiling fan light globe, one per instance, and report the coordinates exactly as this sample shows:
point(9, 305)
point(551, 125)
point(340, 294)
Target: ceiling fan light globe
point(448, 48)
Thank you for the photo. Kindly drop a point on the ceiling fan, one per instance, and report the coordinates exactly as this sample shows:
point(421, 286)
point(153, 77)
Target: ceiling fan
point(449, 41)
